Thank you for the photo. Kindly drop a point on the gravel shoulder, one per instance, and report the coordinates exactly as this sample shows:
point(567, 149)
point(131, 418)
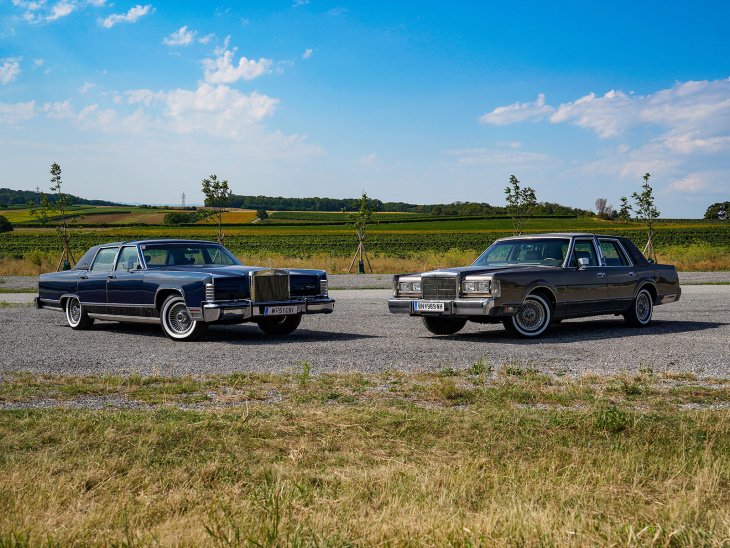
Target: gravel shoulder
point(690, 336)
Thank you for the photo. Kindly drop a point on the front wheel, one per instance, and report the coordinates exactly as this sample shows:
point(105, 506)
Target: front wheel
point(639, 315)
point(279, 325)
point(443, 326)
point(177, 323)
point(532, 318)
point(76, 316)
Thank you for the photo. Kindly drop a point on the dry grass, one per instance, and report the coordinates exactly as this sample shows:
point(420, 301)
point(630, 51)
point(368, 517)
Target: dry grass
point(697, 257)
point(383, 473)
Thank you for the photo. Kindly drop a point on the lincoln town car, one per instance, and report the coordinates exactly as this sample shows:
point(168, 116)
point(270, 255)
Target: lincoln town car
point(182, 285)
point(530, 282)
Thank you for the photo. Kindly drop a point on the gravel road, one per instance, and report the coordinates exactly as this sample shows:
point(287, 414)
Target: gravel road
point(691, 336)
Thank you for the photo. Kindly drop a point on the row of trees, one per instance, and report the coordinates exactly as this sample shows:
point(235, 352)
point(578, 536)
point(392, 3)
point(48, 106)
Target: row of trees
point(332, 204)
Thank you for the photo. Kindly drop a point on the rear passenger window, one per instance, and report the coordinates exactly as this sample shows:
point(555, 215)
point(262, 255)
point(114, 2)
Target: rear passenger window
point(613, 254)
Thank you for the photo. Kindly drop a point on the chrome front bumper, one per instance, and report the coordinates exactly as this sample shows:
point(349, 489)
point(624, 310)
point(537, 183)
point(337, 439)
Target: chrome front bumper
point(458, 307)
point(242, 311)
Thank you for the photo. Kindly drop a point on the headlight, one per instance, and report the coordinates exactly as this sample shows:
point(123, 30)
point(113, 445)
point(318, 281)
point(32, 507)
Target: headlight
point(477, 287)
point(409, 287)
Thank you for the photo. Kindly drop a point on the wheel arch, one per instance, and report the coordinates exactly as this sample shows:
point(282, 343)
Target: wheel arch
point(650, 287)
point(545, 291)
point(164, 292)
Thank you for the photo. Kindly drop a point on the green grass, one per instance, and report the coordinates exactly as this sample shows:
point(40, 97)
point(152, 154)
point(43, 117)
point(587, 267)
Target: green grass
point(447, 458)
point(21, 290)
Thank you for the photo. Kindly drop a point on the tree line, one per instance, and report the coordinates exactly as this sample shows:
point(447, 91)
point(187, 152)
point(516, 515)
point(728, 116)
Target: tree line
point(334, 204)
point(9, 197)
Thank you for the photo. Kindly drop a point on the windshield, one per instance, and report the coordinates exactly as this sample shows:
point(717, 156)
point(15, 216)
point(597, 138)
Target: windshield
point(537, 251)
point(161, 255)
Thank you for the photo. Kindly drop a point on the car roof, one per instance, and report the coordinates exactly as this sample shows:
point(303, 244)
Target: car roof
point(558, 235)
point(165, 241)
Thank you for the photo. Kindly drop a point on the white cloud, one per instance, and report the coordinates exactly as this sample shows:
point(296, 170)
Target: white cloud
point(223, 71)
point(86, 87)
point(217, 111)
point(689, 106)
point(298, 3)
point(62, 9)
point(12, 114)
point(37, 63)
point(480, 157)
point(30, 6)
point(181, 37)
point(60, 110)
point(206, 39)
point(691, 184)
point(518, 112)
point(130, 17)
point(97, 3)
point(369, 160)
point(9, 70)
point(307, 54)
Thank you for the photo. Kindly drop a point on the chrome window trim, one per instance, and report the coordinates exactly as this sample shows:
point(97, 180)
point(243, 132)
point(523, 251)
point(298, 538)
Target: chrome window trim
point(114, 262)
point(119, 255)
point(621, 249)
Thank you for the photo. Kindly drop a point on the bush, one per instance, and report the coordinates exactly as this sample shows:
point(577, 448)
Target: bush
point(5, 225)
point(176, 218)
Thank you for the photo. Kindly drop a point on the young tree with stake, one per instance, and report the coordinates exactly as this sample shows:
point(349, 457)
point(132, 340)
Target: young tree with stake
point(217, 197)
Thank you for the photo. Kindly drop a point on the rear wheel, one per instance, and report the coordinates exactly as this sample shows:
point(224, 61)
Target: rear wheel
point(443, 326)
point(532, 318)
point(76, 316)
point(177, 323)
point(639, 315)
point(279, 325)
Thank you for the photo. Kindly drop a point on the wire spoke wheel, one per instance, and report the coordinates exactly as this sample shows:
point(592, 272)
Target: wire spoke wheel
point(532, 318)
point(639, 315)
point(76, 316)
point(177, 322)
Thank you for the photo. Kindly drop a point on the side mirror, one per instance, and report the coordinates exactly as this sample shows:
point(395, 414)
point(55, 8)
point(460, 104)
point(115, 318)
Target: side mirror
point(583, 262)
point(128, 265)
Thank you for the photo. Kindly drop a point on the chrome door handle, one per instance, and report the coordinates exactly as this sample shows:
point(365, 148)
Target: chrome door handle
point(632, 273)
point(112, 276)
point(83, 277)
point(601, 274)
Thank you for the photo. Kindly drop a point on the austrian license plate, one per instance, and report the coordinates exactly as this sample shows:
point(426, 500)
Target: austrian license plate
point(280, 310)
point(428, 306)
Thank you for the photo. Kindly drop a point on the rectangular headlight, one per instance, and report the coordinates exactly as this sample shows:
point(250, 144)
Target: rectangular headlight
point(477, 286)
point(409, 287)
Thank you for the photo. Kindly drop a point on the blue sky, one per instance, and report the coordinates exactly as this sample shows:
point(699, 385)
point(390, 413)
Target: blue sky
point(421, 102)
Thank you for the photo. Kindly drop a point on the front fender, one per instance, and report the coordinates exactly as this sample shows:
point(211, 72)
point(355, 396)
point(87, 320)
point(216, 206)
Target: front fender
point(541, 284)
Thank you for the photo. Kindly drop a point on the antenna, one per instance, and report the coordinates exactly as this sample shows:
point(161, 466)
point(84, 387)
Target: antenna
point(183, 199)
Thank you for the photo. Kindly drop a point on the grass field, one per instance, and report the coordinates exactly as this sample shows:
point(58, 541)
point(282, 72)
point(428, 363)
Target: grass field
point(450, 458)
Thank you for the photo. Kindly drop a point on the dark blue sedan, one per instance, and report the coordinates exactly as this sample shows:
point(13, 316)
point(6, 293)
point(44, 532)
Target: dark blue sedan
point(183, 285)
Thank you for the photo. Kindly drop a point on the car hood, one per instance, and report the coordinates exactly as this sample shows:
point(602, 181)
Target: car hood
point(466, 270)
point(226, 271)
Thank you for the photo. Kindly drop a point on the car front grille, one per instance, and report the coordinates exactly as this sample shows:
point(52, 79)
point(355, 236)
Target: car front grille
point(270, 288)
point(439, 287)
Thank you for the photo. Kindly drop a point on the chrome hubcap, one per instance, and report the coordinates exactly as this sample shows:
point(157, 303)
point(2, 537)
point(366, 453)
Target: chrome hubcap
point(643, 307)
point(531, 316)
point(179, 319)
point(74, 311)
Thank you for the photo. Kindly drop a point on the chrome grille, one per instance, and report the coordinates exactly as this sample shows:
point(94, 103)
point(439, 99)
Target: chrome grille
point(439, 287)
point(270, 287)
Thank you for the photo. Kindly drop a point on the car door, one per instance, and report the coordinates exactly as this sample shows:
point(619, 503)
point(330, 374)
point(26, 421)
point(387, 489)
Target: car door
point(124, 287)
point(585, 287)
point(92, 282)
point(620, 274)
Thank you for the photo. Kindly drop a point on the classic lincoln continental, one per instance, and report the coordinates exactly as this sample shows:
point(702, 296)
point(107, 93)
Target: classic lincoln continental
point(183, 285)
point(529, 282)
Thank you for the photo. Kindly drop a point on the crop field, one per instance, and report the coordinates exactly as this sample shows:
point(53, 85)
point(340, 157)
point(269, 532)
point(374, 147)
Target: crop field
point(236, 216)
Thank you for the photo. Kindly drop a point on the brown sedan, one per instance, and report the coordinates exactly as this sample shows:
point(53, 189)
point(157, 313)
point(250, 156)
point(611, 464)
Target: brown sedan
point(529, 282)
